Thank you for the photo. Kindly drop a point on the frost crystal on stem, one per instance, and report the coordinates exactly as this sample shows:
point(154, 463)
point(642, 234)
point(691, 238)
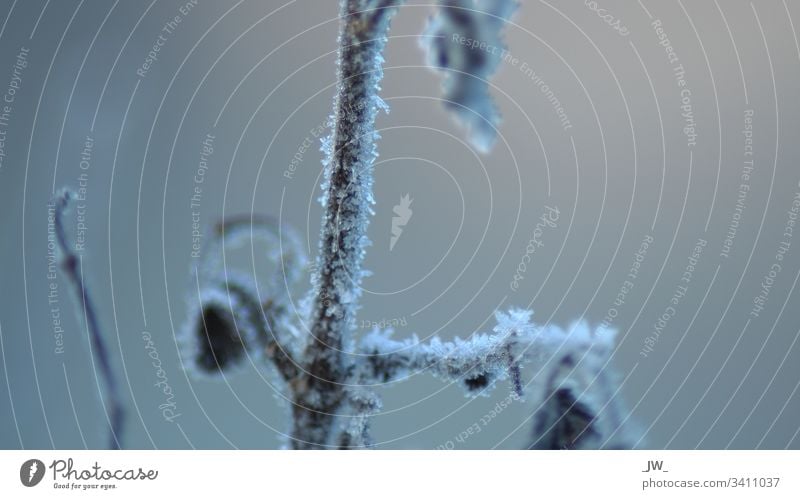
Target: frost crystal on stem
point(347, 198)
point(327, 373)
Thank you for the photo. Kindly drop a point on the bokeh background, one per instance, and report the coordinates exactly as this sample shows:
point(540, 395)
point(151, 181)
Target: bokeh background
point(259, 75)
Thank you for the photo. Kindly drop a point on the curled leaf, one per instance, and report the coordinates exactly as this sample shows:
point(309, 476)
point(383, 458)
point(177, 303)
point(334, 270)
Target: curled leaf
point(463, 41)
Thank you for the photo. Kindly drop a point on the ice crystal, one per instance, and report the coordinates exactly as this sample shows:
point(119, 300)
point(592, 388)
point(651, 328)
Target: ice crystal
point(347, 200)
point(576, 406)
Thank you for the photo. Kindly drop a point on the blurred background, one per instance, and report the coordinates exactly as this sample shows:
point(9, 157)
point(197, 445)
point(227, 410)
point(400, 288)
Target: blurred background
point(679, 130)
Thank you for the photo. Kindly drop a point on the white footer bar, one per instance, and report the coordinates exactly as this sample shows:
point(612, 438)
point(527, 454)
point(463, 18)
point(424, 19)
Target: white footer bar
point(406, 474)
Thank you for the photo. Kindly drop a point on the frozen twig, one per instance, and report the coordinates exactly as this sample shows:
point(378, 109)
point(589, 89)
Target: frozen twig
point(329, 375)
point(71, 264)
point(576, 407)
point(477, 362)
point(347, 198)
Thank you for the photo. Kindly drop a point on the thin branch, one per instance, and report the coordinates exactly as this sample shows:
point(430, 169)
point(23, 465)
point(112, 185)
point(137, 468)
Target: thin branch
point(478, 362)
point(577, 407)
point(328, 379)
point(72, 266)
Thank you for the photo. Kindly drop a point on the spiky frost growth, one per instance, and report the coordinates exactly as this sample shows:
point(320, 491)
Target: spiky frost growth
point(478, 362)
point(328, 377)
point(574, 393)
point(347, 199)
point(361, 404)
point(464, 41)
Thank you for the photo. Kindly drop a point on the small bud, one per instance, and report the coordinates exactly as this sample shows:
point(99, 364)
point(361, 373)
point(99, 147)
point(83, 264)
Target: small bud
point(225, 324)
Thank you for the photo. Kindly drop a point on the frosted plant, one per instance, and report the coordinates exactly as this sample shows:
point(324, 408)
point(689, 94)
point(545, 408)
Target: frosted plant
point(327, 373)
point(464, 41)
point(227, 321)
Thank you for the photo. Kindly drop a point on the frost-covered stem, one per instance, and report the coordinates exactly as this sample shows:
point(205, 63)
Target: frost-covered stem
point(576, 401)
point(347, 196)
point(70, 264)
point(478, 362)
